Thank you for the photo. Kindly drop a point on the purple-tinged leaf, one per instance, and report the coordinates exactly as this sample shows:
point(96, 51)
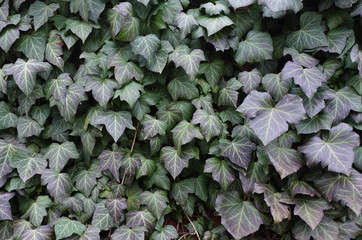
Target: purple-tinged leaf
point(346, 100)
point(334, 151)
point(221, 172)
point(59, 154)
point(184, 132)
point(319, 122)
point(102, 89)
point(356, 56)
point(37, 210)
point(327, 229)
point(153, 126)
point(41, 233)
point(5, 208)
point(115, 122)
point(58, 87)
point(156, 202)
point(27, 127)
point(124, 232)
point(167, 232)
point(272, 198)
point(101, 218)
point(8, 37)
point(228, 96)
point(54, 51)
point(19, 226)
point(175, 162)
point(85, 180)
point(309, 79)
point(338, 187)
point(185, 22)
point(286, 160)
point(91, 233)
point(180, 190)
point(112, 160)
point(142, 218)
point(130, 163)
point(239, 217)
point(269, 121)
point(302, 59)
point(250, 80)
point(301, 187)
point(59, 185)
point(349, 230)
point(256, 174)
point(7, 149)
point(239, 151)
point(115, 207)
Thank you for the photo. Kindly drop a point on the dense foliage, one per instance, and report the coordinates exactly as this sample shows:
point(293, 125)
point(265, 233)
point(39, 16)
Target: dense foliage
point(152, 119)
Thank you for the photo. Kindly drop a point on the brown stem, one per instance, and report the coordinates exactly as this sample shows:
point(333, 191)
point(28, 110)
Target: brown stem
point(197, 233)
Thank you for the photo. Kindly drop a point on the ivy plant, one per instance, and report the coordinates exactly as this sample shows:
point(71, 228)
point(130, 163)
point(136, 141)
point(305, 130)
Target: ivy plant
point(178, 119)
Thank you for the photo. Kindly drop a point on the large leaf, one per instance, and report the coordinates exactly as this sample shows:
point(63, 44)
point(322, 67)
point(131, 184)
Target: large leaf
point(239, 217)
point(257, 46)
point(268, 121)
point(146, 46)
point(59, 185)
point(25, 73)
point(115, 122)
point(214, 24)
point(334, 151)
point(41, 233)
point(28, 164)
point(64, 227)
point(310, 35)
point(156, 202)
point(185, 22)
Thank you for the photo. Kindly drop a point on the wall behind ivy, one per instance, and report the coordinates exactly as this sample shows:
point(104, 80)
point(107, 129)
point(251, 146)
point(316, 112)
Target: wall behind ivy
point(154, 119)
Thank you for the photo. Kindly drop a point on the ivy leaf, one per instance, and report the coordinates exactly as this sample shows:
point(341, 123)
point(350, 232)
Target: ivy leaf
point(25, 73)
point(159, 59)
point(91, 233)
point(159, 178)
point(124, 232)
point(175, 162)
point(215, 9)
point(221, 172)
point(301, 187)
point(280, 5)
point(185, 22)
point(5, 208)
point(88, 9)
point(59, 154)
point(319, 122)
point(239, 217)
point(276, 86)
point(79, 28)
point(238, 151)
point(182, 87)
point(189, 60)
point(131, 162)
point(184, 132)
point(129, 93)
point(7, 118)
point(168, 232)
point(257, 46)
point(64, 227)
point(102, 88)
point(256, 174)
point(153, 126)
point(302, 59)
point(156, 202)
point(146, 46)
point(346, 100)
point(309, 79)
point(334, 151)
point(181, 190)
point(75, 94)
point(41, 12)
point(115, 122)
point(115, 207)
point(170, 9)
point(41, 233)
point(213, 71)
point(8, 37)
point(214, 24)
point(41, 113)
point(272, 198)
point(338, 187)
point(269, 121)
point(210, 124)
point(86, 179)
point(27, 165)
point(112, 160)
point(37, 210)
point(28, 127)
point(310, 35)
point(125, 71)
point(250, 80)
point(59, 185)
point(101, 218)
point(337, 39)
point(356, 56)
point(58, 87)
point(142, 218)
point(286, 160)
point(130, 29)
point(33, 45)
point(53, 51)
point(327, 229)
point(228, 95)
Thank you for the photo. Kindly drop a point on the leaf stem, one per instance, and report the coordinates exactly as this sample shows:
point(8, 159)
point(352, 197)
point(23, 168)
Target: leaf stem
point(197, 233)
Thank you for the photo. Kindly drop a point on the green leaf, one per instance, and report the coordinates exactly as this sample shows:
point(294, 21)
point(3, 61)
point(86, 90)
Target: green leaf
point(221, 172)
point(59, 154)
point(102, 89)
point(146, 46)
point(41, 12)
point(129, 93)
point(182, 87)
point(319, 122)
point(213, 71)
point(310, 35)
point(37, 210)
point(5, 210)
point(214, 24)
point(28, 165)
point(7, 118)
point(327, 229)
point(168, 232)
point(25, 73)
point(126, 233)
point(112, 160)
point(53, 51)
point(250, 80)
point(59, 185)
point(189, 60)
point(174, 162)
point(115, 122)
point(184, 132)
point(155, 202)
point(8, 37)
point(101, 218)
point(33, 45)
point(130, 30)
point(238, 151)
point(228, 96)
point(75, 94)
point(185, 22)
point(153, 126)
point(64, 227)
point(115, 207)
point(126, 71)
point(280, 5)
point(88, 9)
point(257, 46)
point(276, 86)
point(79, 28)
point(239, 217)
point(141, 218)
point(210, 124)
point(180, 190)
point(58, 87)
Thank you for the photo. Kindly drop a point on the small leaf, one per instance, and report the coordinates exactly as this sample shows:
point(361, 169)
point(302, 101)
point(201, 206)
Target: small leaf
point(115, 207)
point(64, 227)
point(210, 124)
point(250, 80)
point(221, 172)
point(112, 160)
point(228, 96)
point(124, 232)
point(42, 12)
point(214, 24)
point(5, 208)
point(238, 151)
point(7, 118)
point(155, 202)
point(28, 165)
point(175, 163)
point(129, 93)
point(102, 89)
point(184, 132)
